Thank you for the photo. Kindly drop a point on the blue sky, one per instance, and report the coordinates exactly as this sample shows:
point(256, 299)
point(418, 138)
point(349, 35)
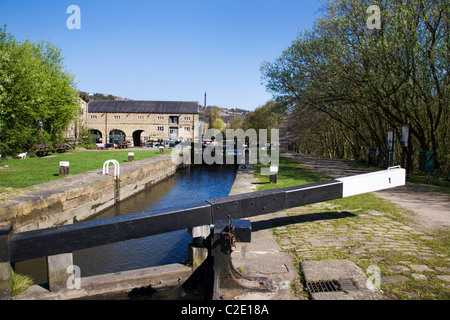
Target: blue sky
point(167, 49)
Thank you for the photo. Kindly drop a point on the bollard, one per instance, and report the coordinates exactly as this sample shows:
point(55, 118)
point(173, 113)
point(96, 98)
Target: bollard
point(130, 156)
point(161, 150)
point(273, 174)
point(5, 266)
point(64, 168)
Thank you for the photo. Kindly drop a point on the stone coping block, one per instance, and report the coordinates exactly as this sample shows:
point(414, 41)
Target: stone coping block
point(65, 200)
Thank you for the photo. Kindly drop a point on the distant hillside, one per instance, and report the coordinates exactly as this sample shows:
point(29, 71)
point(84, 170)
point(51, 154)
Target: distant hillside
point(98, 96)
point(224, 112)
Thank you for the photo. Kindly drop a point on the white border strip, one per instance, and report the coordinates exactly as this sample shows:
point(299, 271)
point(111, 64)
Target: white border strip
point(370, 182)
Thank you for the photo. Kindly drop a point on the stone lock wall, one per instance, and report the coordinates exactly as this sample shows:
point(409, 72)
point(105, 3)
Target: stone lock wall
point(78, 197)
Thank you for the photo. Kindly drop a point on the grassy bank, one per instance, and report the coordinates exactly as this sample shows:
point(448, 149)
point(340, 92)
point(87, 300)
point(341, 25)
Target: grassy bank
point(18, 174)
point(366, 230)
point(293, 173)
point(32, 171)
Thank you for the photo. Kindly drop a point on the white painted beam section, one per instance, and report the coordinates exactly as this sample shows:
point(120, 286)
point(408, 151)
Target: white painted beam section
point(375, 181)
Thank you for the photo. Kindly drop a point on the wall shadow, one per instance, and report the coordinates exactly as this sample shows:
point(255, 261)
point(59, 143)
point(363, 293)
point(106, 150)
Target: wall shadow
point(310, 217)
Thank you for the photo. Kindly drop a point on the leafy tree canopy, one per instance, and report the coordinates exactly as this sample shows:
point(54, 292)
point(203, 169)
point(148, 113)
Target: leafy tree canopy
point(354, 82)
point(37, 95)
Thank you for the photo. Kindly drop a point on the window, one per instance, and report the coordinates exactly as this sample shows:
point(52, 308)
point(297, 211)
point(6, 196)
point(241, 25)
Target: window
point(93, 117)
point(160, 117)
point(187, 129)
point(140, 117)
point(173, 120)
point(116, 117)
point(160, 128)
point(187, 118)
point(173, 132)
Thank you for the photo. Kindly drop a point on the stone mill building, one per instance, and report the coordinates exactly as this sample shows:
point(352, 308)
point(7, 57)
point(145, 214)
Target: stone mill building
point(111, 121)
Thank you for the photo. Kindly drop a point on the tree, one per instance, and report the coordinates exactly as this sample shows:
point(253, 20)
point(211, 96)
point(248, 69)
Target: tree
point(365, 81)
point(263, 118)
point(236, 122)
point(218, 124)
point(37, 95)
point(213, 114)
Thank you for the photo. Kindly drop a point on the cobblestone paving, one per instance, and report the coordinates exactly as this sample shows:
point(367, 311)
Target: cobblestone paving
point(411, 265)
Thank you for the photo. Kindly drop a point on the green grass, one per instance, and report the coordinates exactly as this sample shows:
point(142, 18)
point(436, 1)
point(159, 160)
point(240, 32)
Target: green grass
point(436, 183)
point(291, 173)
point(19, 283)
point(32, 171)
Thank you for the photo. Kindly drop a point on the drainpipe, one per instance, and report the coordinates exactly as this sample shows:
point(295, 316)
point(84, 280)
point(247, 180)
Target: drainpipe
point(106, 128)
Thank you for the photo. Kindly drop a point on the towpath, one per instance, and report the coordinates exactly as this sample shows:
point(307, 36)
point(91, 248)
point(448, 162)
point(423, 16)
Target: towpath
point(405, 255)
point(431, 209)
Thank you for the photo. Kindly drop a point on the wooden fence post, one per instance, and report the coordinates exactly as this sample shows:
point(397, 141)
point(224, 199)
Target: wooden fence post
point(5, 266)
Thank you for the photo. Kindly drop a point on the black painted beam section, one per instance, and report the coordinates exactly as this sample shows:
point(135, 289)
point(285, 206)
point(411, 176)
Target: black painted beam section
point(5, 233)
point(270, 201)
point(65, 239)
point(248, 204)
point(313, 193)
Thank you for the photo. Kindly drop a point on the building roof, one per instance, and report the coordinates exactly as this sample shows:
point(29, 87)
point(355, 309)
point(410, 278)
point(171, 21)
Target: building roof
point(127, 106)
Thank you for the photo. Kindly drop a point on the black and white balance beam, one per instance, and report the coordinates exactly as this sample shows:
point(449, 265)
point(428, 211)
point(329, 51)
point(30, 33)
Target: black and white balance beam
point(371, 182)
point(69, 238)
point(262, 202)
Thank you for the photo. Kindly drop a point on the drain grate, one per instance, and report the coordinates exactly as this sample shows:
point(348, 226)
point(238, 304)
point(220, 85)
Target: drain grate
point(323, 286)
point(341, 285)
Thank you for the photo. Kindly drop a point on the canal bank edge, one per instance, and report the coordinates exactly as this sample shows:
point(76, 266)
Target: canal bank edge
point(76, 198)
point(262, 257)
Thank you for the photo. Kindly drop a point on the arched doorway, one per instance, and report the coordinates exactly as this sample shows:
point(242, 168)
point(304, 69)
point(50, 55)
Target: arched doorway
point(116, 135)
point(137, 138)
point(96, 136)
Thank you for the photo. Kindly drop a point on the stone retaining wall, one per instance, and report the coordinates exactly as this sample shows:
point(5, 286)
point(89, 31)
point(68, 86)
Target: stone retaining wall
point(75, 198)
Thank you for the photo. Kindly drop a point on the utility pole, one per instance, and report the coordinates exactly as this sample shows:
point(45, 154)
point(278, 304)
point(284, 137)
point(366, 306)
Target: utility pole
point(205, 101)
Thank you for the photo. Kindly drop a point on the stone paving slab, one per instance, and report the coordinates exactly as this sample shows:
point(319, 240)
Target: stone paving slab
point(324, 270)
point(402, 253)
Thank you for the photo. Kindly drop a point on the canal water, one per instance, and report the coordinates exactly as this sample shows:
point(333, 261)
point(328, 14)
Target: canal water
point(187, 186)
